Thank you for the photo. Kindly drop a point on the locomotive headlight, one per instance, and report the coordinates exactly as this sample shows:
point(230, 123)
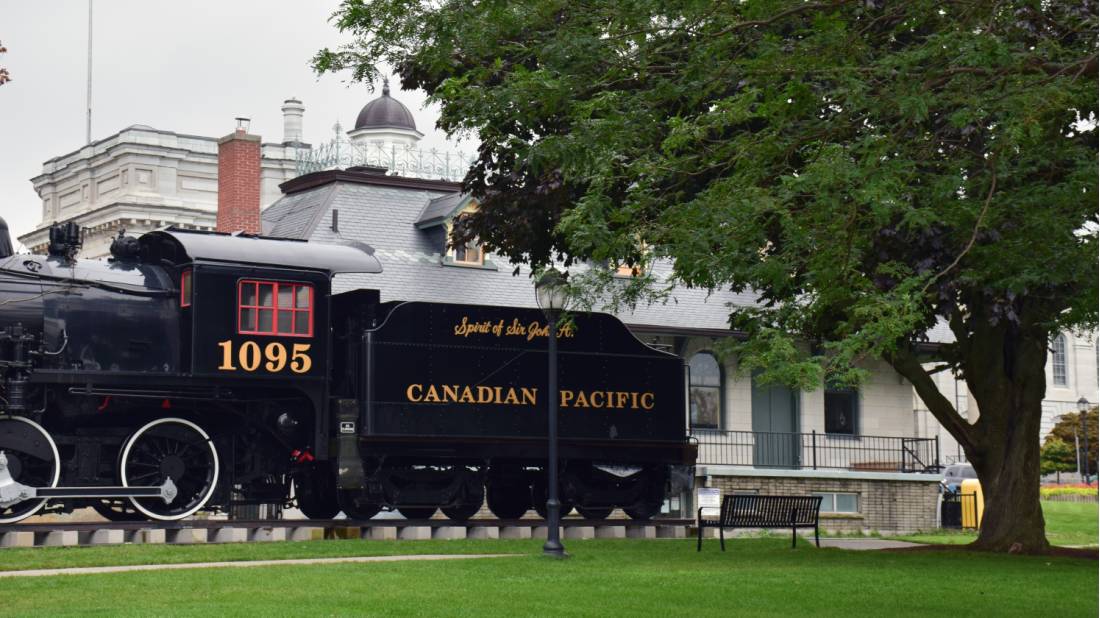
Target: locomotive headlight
point(286, 424)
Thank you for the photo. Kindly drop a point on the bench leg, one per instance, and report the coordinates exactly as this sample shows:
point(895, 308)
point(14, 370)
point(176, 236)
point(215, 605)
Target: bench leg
point(722, 537)
point(699, 544)
point(794, 535)
point(817, 540)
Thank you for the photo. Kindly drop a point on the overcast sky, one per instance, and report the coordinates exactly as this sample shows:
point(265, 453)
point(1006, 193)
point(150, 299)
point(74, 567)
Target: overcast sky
point(188, 67)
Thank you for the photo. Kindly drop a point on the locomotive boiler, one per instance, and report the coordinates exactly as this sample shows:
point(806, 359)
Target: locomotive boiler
point(197, 370)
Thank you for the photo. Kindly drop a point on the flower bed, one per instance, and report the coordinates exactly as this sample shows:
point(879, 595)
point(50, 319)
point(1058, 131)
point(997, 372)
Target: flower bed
point(1054, 492)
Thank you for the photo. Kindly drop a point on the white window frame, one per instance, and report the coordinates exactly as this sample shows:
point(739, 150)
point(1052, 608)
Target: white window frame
point(1059, 368)
point(832, 497)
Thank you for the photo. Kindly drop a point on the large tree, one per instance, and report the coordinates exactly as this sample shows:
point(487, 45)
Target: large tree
point(871, 169)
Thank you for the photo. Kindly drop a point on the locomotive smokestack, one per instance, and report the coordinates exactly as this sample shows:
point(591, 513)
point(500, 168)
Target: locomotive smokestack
point(5, 240)
point(239, 181)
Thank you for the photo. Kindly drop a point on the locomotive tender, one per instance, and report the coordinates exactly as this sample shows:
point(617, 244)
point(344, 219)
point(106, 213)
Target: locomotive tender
point(198, 370)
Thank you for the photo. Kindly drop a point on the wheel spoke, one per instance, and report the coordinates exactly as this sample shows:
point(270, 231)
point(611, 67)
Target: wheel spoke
point(181, 443)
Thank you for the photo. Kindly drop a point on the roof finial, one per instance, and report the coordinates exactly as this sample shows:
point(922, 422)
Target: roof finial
point(385, 86)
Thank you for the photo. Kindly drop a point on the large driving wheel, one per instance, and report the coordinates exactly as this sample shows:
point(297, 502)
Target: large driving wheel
point(508, 501)
point(117, 510)
point(171, 448)
point(32, 460)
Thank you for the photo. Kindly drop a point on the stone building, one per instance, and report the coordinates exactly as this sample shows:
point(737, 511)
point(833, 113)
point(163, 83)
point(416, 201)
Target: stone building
point(141, 179)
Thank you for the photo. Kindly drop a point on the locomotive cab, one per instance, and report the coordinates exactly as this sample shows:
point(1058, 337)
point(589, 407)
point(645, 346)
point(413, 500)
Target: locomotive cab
point(245, 313)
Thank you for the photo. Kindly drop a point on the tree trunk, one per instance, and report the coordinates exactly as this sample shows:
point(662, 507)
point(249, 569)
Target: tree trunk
point(1004, 367)
point(1006, 372)
point(1009, 473)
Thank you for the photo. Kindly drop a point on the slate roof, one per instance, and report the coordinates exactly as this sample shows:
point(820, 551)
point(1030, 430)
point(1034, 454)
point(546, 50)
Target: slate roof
point(374, 211)
point(296, 215)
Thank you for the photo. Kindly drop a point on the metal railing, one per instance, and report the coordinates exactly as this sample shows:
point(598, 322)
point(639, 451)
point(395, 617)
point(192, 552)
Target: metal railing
point(398, 159)
point(817, 451)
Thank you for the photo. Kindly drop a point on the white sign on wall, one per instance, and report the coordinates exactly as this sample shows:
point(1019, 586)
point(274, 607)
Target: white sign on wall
point(710, 500)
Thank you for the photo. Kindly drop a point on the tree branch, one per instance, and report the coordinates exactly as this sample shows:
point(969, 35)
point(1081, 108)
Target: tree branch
point(974, 233)
point(908, 366)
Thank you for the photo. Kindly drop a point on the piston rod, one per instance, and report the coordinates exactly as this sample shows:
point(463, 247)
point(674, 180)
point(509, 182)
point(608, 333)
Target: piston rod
point(13, 492)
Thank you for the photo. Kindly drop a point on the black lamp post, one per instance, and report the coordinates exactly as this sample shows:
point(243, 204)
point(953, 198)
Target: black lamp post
point(550, 292)
point(1083, 408)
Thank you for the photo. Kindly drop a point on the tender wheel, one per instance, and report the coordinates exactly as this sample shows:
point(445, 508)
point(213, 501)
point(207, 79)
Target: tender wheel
point(32, 460)
point(595, 512)
point(315, 490)
point(461, 512)
point(539, 498)
point(353, 505)
point(472, 496)
point(416, 512)
point(508, 501)
point(171, 448)
point(643, 510)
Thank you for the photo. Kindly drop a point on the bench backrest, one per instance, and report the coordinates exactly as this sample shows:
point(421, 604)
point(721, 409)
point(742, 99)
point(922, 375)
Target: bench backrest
point(765, 511)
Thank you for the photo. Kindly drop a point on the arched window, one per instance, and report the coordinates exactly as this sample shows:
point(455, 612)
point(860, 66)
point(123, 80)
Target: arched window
point(706, 391)
point(1058, 360)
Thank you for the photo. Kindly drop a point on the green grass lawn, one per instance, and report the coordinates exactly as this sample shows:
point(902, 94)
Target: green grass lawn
point(757, 576)
point(1068, 523)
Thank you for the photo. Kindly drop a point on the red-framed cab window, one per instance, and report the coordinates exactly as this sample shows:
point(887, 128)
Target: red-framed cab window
point(274, 308)
point(186, 288)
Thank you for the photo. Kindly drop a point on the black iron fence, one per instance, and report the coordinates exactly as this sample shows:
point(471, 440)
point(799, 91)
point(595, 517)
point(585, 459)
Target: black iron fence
point(761, 449)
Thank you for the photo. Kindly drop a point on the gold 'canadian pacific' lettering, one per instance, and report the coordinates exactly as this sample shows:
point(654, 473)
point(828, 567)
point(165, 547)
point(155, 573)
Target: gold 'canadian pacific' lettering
point(524, 396)
point(529, 395)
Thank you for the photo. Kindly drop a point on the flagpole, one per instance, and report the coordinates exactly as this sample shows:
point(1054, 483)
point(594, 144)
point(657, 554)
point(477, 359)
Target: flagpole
point(88, 124)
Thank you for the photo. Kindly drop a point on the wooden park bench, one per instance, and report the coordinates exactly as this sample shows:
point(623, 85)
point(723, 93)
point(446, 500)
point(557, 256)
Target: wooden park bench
point(753, 511)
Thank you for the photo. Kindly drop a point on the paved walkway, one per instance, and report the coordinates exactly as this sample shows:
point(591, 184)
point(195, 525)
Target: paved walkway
point(240, 564)
point(865, 544)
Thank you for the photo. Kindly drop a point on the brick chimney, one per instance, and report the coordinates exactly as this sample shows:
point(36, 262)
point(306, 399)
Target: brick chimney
point(239, 181)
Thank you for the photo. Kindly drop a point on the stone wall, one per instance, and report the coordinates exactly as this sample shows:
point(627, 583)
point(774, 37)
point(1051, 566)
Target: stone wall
point(885, 506)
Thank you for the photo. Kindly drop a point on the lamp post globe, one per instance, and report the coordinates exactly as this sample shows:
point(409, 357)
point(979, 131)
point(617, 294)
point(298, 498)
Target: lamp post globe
point(551, 295)
point(550, 292)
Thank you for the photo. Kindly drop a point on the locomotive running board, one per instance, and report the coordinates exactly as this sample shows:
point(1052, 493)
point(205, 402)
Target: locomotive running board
point(13, 492)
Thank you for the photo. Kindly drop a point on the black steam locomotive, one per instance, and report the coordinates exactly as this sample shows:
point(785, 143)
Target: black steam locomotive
point(196, 371)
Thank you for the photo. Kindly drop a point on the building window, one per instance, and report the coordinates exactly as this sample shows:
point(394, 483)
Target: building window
point(706, 391)
point(832, 502)
point(185, 288)
point(627, 270)
point(1058, 360)
point(469, 253)
point(275, 308)
point(841, 410)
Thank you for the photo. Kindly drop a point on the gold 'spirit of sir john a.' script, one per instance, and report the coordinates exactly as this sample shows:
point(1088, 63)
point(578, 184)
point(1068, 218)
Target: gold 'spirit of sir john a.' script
point(523, 396)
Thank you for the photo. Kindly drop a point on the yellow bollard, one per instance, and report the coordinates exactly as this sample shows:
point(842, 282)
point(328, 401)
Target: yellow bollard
point(973, 503)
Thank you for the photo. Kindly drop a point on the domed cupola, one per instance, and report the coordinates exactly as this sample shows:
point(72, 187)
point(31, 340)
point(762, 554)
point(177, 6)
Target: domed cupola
point(385, 120)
